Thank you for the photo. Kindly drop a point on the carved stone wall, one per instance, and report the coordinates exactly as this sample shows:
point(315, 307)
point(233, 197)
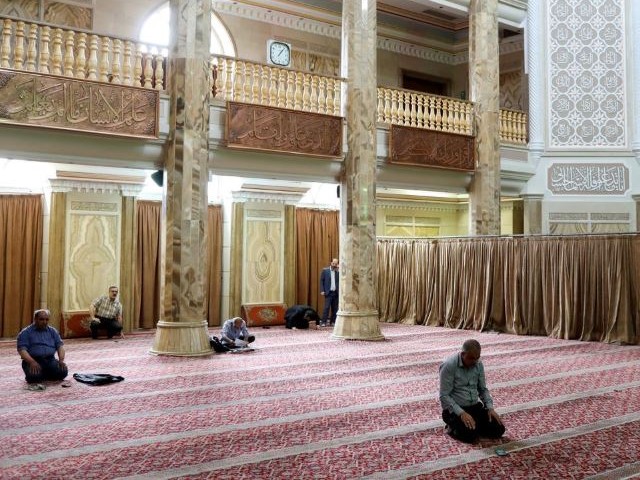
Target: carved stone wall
point(263, 253)
point(586, 66)
point(92, 247)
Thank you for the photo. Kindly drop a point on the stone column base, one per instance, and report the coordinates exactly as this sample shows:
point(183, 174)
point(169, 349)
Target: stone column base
point(182, 339)
point(357, 326)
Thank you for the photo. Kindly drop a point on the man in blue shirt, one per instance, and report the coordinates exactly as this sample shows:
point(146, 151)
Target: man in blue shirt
point(467, 406)
point(235, 329)
point(37, 345)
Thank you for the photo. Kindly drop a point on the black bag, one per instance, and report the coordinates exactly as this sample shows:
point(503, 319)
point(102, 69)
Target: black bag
point(217, 345)
point(97, 378)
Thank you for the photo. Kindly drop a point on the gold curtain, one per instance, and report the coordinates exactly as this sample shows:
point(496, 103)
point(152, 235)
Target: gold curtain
point(214, 265)
point(148, 258)
point(21, 224)
point(317, 242)
point(571, 287)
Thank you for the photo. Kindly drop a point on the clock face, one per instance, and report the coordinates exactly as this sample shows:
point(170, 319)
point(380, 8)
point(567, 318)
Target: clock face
point(280, 54)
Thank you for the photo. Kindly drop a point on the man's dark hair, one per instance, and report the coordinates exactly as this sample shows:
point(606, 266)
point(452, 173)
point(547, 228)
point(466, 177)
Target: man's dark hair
point(471, 345)
point(311, 314)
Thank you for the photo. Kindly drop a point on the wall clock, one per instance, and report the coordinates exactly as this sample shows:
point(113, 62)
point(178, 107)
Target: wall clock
point(279, 53)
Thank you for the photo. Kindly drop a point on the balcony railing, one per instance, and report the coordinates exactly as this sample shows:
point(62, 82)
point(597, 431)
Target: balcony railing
point(35, 47)
point(256, 83)
point(420, 110)
point(40, 48)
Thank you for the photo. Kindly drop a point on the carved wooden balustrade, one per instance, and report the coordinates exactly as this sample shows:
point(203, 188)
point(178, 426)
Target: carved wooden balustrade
point(250, 82)
point(445, 114)
point(513, 126)
point(432, 112)
point(41, 48)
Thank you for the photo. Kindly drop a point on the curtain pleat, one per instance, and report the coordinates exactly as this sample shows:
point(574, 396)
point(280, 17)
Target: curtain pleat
point(148, 258)
point(21, 224)
point(317, 236)
point(570, 287)
point(214, 265)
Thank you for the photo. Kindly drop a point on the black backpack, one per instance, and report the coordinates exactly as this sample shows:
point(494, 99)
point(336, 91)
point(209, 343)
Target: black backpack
point(217, 345)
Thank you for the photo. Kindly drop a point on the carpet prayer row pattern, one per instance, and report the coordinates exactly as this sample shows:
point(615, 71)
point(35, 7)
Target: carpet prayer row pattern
point(306, 406)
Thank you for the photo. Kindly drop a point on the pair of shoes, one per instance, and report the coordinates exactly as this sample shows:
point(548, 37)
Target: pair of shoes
point(323, 324)
point(36, 387)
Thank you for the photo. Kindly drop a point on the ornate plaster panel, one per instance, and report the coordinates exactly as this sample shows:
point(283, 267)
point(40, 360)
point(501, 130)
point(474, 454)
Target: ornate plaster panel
point(92, 247)
point(586, 55)
point(264, 253)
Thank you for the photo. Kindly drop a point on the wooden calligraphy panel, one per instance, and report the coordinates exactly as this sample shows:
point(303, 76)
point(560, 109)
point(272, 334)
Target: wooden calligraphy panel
point(428, 148)
point(278, 130)
point(69, 104)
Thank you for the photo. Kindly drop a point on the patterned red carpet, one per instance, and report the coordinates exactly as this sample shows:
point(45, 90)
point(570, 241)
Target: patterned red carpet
point(306, 406)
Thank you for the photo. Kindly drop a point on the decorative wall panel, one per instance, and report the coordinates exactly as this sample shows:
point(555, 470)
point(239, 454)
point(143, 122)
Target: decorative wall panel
point(588, 178)
point(263, 254)
point(57, 102)
point(275, 129)
point(586, 55)
point(92, 244)
point(72, 16)
point(426, 148)
point(24, 9)
point(511, 90)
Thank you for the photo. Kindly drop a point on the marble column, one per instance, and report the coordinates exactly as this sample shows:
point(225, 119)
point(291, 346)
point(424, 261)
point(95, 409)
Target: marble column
point(532, 204)
point(183, 327)
point(357, 313)
point(636, 199)
point(484, 83)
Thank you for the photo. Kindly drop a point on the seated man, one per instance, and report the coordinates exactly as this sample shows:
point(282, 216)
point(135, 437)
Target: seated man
point(462, 385)
point(235, 329)
point(37, 345)
point(106, 313)
point(299, 316)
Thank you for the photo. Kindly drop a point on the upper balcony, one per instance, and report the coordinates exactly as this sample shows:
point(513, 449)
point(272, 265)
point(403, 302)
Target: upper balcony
point(85, 56)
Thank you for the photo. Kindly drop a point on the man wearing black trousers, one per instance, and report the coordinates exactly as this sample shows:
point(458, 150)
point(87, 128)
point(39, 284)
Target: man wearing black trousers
point(329, 288)
point(467, 406)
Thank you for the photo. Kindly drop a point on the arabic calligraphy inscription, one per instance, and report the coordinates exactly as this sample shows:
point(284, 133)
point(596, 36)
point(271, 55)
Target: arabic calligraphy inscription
point(275, 129)
point(588, 178)
point(47, 101)
point(426, 148)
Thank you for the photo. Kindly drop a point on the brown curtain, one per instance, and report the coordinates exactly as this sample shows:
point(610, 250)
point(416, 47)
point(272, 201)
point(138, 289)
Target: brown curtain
point(571, 287)
point(317, 242)
point(148, 258)
point(21, 223)
point(214, 265)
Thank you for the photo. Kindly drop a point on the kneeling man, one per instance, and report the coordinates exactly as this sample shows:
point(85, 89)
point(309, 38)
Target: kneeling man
point(37, 345)
point(467, 407)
